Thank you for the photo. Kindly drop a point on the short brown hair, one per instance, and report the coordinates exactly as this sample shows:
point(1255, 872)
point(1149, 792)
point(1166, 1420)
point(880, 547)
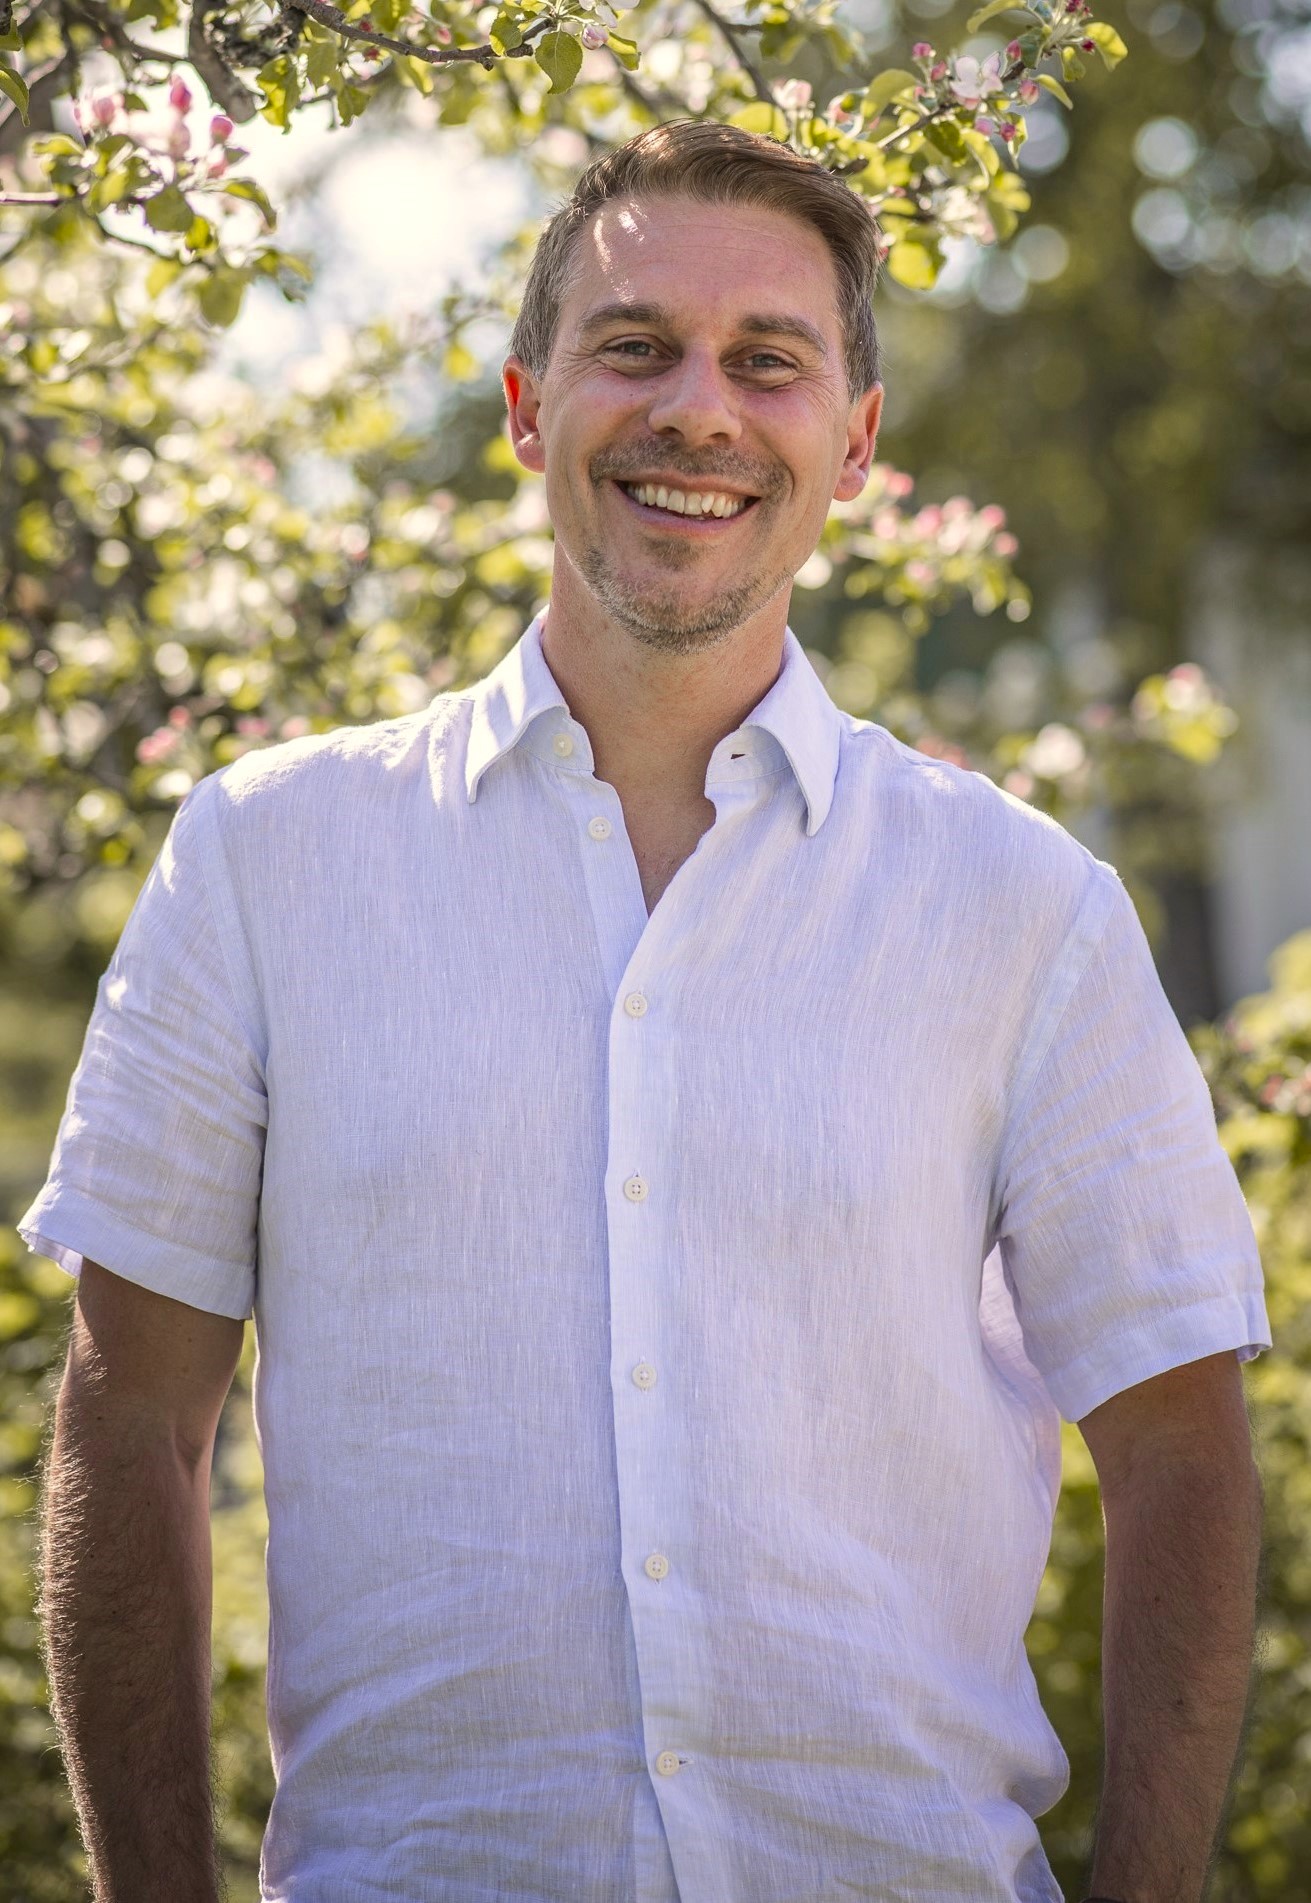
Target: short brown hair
point(716, 164)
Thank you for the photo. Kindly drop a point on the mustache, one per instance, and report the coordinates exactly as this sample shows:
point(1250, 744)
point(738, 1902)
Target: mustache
point(747, 479)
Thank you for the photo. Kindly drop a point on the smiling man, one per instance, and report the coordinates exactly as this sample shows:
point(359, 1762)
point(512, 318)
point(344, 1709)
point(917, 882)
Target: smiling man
point(684, 1152)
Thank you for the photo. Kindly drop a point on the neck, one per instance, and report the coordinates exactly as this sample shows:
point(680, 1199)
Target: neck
point(655, 718)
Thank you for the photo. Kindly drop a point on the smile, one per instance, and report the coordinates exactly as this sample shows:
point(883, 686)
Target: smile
point(703, 509)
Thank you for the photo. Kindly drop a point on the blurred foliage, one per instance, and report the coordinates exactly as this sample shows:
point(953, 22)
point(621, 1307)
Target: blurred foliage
point(189, 569)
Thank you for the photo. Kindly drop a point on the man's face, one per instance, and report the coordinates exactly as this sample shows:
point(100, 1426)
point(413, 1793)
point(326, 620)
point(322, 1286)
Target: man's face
point(700, 350)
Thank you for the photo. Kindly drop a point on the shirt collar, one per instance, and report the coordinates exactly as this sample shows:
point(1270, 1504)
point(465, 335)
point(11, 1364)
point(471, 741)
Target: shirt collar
point(796, 713)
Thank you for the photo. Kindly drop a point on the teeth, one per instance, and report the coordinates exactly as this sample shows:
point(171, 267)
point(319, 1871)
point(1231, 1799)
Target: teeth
point(691, 502)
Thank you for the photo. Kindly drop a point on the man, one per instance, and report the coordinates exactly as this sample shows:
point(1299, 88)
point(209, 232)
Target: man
point(682, 1148)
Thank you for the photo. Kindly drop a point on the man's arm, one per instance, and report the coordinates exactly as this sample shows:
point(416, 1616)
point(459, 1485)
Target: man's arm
point(1182, 1501)
point(127, 1584)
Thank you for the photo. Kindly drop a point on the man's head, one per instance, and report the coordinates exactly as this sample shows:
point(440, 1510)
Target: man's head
point(697, 317)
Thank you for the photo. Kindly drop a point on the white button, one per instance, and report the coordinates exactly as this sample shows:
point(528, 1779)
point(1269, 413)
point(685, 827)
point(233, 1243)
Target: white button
point(599, 828)
point(563, 744)
point(635, 1189)
point(644, 1375)
point(656, 1566)
point(667, 1763)
point(635, 1005)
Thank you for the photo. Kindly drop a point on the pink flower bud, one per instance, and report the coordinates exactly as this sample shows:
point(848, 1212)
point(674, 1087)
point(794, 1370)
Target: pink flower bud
point(1005, 543)
point(1007, 132)
point(179, 140)
point(992, 515)
point(1029, 91)
point(442, 34)
point(984, 125)
point(1013, 50)
point(179, 95)
point(938, 70)
point(218, 164)
point(104, 110)
point(594, 36)
point(1089, 46)
point(922, 50)
point(220, 128)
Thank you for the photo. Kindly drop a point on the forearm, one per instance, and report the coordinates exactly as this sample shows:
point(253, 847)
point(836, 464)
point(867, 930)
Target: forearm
point(126, 1602)
point(1182, 1558)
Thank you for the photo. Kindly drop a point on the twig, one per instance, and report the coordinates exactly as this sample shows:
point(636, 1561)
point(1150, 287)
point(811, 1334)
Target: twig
point(726, 28)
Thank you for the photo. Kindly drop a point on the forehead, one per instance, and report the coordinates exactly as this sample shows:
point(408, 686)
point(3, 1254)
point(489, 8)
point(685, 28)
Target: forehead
point(709, 263)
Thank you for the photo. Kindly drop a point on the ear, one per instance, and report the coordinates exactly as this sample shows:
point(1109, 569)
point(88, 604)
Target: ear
point(862, 434)
point(523, 402)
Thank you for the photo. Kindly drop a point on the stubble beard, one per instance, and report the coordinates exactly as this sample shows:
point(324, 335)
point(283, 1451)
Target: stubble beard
point(661, 617)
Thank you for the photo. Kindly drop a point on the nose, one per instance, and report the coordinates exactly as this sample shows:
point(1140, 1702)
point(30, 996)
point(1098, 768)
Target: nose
point(695, 399)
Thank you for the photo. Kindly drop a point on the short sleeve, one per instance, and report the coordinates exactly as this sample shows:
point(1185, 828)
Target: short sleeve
point(1123, 1232)
point(157, 1163)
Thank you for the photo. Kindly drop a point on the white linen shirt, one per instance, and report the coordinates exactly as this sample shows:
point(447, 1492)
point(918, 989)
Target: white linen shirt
point(664, 1322)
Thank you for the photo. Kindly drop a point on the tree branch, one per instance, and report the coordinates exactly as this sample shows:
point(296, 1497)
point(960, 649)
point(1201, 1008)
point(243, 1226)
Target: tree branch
point(762, 90)
point(486, 55)
point(222, 85)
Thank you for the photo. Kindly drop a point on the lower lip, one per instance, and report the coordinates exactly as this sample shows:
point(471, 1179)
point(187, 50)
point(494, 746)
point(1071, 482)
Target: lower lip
point(689, 524)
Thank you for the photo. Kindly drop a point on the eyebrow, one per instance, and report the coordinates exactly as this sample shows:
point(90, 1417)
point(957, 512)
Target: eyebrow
point(766, 324)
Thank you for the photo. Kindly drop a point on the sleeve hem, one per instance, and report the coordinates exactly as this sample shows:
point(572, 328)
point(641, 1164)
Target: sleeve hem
point(68, 1226)
point(1236, 1321)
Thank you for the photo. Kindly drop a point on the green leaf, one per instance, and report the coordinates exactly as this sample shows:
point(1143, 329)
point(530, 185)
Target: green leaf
point(169, 211)
point(58, 145)
point(247, 188)
point(915, 262)
point(221, 295)
point(1109, 44)
point(322, 61)
point(765, 119)
point(12, 41)
point(281, 82)
point(107, 191)
point(560, 57)
point(161, 274)
point(625, 51)
point(1071, 65)
point(884, 87)
point(504, 33)
point(976, 19)
point(944, 135)
point(1055, 86)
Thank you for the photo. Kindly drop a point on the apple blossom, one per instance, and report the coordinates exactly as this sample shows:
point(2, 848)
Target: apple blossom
point(220, 128)
point(793, 94)
point(594, 36)
point(179, 95)
point(1014, 51)
point(1030, 91)
point(179, 140)
point(922, 50)
point(975, 79)
point(985, 125)
point(938, 69)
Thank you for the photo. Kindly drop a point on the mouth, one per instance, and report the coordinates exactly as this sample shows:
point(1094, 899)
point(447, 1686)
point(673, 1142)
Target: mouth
point(695, 511)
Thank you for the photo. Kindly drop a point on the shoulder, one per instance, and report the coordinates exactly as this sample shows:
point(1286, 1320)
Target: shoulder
point(1003, 860)
point(322, 777)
